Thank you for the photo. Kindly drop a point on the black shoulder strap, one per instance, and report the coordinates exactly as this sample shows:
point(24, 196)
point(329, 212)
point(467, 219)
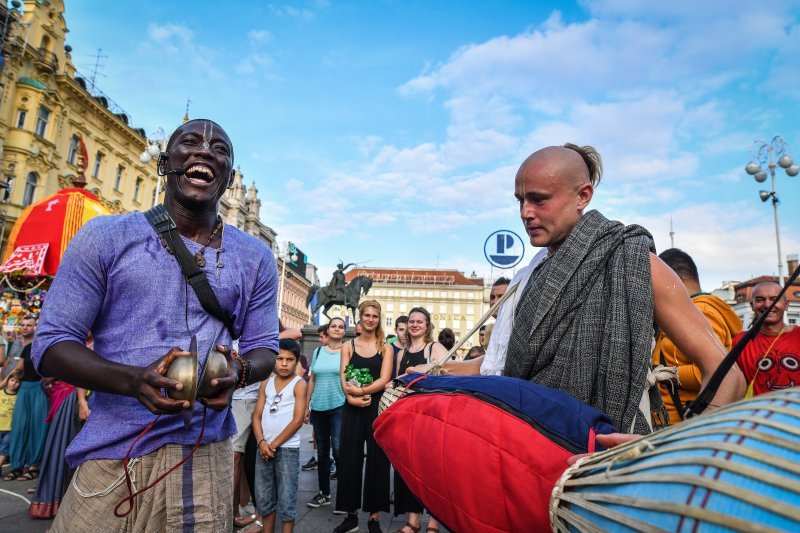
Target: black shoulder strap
point(163, 224)
point(314, 357)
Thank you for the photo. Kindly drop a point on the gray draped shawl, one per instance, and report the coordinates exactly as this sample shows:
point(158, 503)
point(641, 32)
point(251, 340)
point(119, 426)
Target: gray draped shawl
point(584, 322)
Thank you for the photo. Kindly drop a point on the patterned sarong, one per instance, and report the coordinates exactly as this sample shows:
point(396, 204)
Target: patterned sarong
point(197, 496)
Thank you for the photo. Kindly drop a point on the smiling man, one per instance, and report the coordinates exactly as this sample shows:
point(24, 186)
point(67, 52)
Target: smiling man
point(120, 280)
point(581, 320)
point(771, 361)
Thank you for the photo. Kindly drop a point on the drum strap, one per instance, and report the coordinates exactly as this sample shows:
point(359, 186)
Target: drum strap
point(672, 385)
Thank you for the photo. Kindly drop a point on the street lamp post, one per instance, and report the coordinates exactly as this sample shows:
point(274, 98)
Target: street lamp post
point(156, 143)
point(771, 155)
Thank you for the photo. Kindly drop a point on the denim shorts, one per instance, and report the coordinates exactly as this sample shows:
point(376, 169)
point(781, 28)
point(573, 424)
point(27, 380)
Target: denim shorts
point(276, 483)
point(5, 443)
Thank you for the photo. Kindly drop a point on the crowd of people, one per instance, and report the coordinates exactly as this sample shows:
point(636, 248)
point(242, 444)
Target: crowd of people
point(581, 320)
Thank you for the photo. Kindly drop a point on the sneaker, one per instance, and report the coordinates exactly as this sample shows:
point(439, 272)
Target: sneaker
point(319, 500)
point(333, 471)
point(373, 526)
point(349, 525)
point(337, 511)
point(334, 475)
point(310, 465)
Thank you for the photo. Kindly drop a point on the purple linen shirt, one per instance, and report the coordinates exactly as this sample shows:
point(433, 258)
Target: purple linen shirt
point(118, 280)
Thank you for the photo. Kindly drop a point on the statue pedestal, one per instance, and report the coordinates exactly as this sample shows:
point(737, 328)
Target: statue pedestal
point(310, 339)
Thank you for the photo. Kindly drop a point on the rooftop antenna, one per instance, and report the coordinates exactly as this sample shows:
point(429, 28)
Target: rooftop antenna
point(96, 69)
point(671, 234)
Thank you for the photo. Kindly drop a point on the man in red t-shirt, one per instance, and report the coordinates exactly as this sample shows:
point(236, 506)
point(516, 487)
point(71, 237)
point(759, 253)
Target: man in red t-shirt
point(772, 360)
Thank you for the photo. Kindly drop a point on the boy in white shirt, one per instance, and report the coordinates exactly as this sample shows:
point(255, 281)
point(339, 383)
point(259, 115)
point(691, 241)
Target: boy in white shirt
point(279, 414)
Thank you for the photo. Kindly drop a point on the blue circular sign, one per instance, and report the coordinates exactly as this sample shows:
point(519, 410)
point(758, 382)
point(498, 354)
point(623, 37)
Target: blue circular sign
point(504, 249)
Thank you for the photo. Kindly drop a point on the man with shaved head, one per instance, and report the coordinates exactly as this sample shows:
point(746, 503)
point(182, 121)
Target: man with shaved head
point(581, 319)
point(120, 279)
point(771, 361)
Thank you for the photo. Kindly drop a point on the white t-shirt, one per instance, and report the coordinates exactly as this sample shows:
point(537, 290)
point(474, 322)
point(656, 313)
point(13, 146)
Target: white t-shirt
point(495, 359)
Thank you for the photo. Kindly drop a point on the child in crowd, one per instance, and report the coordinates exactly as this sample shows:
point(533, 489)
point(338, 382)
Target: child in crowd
point(8, 398)
point(278, 415)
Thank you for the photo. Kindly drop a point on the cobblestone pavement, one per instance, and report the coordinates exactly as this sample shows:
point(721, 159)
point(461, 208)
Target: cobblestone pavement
point(14, 503)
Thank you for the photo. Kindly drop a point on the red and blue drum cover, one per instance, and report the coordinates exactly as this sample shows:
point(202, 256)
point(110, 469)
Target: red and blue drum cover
point(483, 453)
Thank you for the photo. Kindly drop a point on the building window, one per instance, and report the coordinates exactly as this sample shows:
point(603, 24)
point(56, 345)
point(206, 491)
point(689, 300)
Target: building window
point(118, 179)
point(73, 150)
point(153, 202)
point(429, 294)
point(456, 308)
point(442, 324)
point(30, 189)
point(417, 294)
point(456, 323)
point(442, 308)
point(470, 324)
point(403, 293)
point(41, 121)
point(470, 310)
point(403, 307)
point(98, 160)
point(389, 322)
point(137, 188)
point(390, 307)
point(457, 294)
point(21, 115)
point(470, 296)
point(391, 292)
point(442, 294)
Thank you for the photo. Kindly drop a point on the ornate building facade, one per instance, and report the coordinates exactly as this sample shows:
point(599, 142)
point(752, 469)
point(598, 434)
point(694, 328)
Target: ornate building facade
point(454, 300)
point(52, 119)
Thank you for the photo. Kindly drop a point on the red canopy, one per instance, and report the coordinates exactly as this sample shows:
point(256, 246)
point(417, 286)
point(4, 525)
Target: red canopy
point(52, 222)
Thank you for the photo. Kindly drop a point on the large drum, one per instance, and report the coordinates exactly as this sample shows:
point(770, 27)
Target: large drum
point(482, 453)
point(734, 469)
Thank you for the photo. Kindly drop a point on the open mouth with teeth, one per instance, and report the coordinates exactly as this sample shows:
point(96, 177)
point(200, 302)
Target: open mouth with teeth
point(200, 173)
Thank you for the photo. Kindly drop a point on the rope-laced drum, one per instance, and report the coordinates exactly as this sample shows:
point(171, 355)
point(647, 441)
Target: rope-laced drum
point(734, 469)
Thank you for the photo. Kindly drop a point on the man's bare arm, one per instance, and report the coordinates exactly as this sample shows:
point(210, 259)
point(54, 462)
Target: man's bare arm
point(691, 332)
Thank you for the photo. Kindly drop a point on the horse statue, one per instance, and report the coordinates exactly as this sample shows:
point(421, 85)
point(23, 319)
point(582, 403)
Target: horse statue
point(352, 294)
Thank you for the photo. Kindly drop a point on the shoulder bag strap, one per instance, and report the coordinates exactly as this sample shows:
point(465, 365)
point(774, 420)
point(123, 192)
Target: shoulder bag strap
point(314, 357)
point(163, 224)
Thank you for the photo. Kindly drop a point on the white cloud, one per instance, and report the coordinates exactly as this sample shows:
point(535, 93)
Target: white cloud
point(177, 42)
point(295, 12)
point(258, 36)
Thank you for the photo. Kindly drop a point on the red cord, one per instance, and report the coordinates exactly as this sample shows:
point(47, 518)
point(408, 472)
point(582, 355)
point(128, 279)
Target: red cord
point(126, 460)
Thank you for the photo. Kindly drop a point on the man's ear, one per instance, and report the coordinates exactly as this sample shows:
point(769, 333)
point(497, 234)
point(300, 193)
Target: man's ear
point(585, 193)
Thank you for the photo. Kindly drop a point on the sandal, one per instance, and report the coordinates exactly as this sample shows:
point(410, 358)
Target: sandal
point(29, 474)
point(12, 475)
point(410, 526)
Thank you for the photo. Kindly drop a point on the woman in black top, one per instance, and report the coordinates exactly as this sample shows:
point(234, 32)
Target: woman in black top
point(360, 411)
point(420, 350)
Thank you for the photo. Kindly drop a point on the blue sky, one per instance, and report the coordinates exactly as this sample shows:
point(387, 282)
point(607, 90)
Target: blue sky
point(391, 131)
